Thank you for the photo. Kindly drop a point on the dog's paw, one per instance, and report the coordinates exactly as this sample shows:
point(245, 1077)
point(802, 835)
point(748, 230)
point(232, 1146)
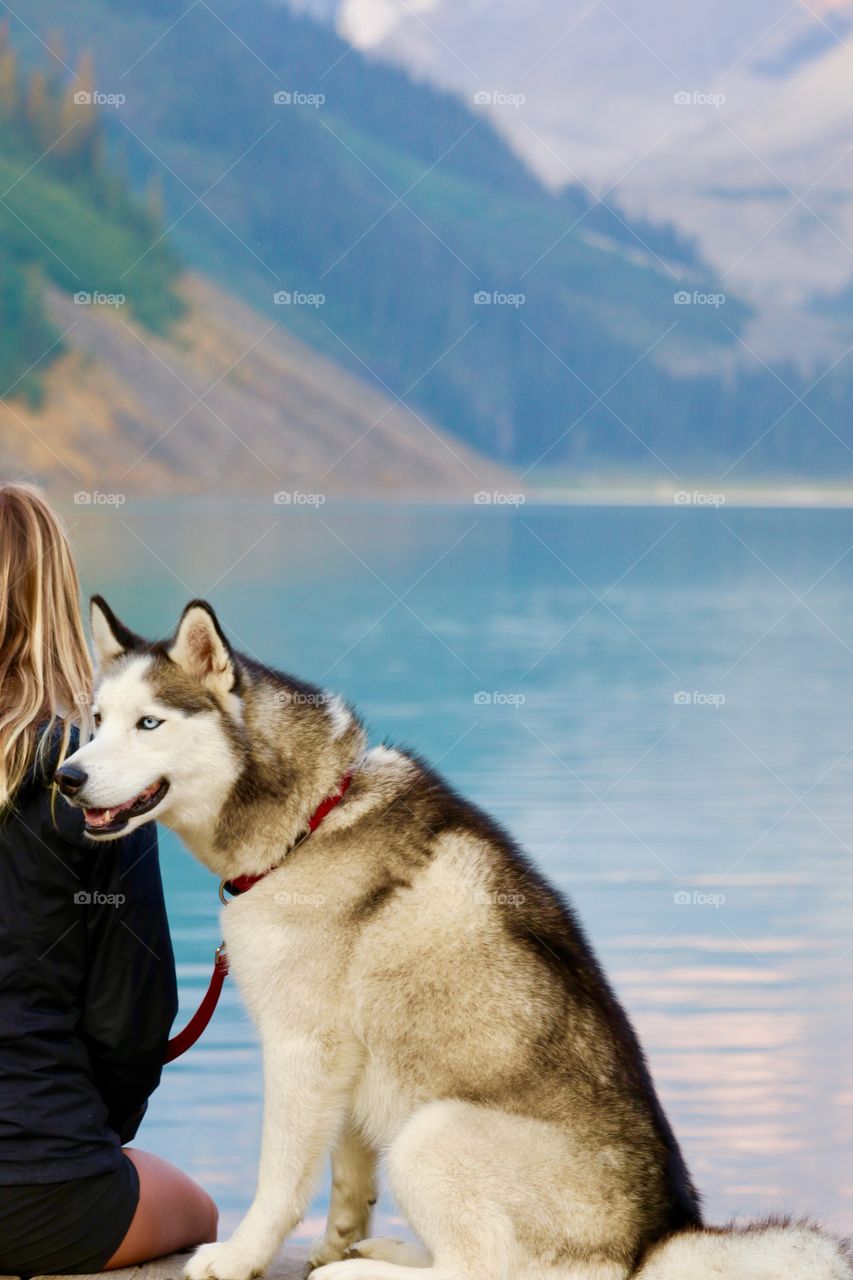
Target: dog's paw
point(327, 1249)
point(223, 1261)
point(382, 1249)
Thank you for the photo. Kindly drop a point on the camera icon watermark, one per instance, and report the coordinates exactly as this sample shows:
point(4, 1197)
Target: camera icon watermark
point(696, 698)
point(298, 698)
point(296, 98)
point(697, 498)
point(85, 298)
point(83, 898)
point(495, 898)
point(695, 98)
point(94, 498)
point(295, 498)
point(696, 898)
point(497, 298)
point(294, 298)
point(498, 498)
point(284, 899)
point(95, 98)
point(696, 298)
point(497, 98)
point(498, 698)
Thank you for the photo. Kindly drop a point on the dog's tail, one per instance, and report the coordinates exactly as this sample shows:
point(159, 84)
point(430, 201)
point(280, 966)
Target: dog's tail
point(775, 1249)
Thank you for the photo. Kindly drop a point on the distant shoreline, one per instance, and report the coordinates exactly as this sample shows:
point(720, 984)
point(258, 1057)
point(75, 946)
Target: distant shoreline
point(709, 494)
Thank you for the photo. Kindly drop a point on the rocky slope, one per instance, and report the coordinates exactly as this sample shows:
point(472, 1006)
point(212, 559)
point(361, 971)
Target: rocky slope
point(229, 403)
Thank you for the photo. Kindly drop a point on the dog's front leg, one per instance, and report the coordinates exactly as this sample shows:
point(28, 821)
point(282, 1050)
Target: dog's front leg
point(352, 1200)
point(305, 1090)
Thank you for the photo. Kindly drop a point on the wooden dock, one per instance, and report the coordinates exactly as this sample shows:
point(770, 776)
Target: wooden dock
point(292, 1264)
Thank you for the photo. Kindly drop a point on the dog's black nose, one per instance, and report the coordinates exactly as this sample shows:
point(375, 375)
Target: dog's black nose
point(70, 778)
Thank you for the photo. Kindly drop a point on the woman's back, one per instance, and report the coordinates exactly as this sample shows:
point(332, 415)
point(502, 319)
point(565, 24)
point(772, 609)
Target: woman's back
point(87, 988)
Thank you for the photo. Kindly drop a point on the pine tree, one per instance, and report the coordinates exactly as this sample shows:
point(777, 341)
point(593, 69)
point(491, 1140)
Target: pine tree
point(40, 113)
point(78, 124)
point(85, 82)
point(8, 82)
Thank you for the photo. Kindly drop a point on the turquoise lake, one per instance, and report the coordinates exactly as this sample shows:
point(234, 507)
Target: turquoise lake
point(656, 702)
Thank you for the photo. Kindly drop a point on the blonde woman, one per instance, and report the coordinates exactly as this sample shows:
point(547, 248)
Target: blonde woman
point(87, 977)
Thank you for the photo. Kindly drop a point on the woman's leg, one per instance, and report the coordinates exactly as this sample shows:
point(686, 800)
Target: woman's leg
point(173, 1213)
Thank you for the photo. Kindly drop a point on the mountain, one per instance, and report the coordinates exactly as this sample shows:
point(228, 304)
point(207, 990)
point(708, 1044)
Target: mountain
point(225, 402)
point(407, 241)
point(752, 160)
point(403, 210)
point(122, 374)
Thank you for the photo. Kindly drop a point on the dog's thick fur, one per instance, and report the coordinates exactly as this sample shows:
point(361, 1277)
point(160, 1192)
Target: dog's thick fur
point(421, 993)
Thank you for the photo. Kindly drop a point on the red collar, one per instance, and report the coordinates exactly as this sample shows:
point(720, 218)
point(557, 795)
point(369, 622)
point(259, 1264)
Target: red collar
point(198, 1022)
point(241, 884)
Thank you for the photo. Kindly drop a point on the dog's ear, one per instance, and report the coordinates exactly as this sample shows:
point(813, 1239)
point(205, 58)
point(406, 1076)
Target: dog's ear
point(200, 649)
point(110, 638)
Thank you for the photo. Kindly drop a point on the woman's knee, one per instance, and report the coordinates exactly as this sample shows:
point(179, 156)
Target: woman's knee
point(173, 1213)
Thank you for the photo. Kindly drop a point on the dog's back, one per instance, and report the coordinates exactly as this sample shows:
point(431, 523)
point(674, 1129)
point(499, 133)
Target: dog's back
point(468, 981)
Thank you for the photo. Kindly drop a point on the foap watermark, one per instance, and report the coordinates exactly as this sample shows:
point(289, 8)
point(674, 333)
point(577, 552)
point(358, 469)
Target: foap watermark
point(296, 498)
point(95, 98)
point(498, 498)
point(301, 698)
point(297, 98)
point(698, 498)
point(696, 898)
point(84, 298)
point(294, 298)
point(696, 698)
point(696, 298)
point(284, 899)
point(498, 698)
point(696, 98)
point(497, 298)
point(494, 898)
point(94, 498)
point(84, 898)
point(498, 98)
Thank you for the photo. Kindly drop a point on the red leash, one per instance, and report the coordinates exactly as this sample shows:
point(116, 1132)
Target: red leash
point(198, 1023)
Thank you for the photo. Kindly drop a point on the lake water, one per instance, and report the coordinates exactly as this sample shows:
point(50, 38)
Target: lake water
point(666, 729)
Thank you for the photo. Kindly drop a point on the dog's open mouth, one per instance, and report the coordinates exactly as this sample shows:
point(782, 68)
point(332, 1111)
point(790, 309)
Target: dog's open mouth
point(118, 815)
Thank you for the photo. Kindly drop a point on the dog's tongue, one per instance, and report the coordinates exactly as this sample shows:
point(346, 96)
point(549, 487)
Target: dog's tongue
point(99, 817)
point(103, 817)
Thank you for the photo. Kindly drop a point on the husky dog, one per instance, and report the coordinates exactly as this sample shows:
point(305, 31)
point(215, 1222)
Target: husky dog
point(420, 992)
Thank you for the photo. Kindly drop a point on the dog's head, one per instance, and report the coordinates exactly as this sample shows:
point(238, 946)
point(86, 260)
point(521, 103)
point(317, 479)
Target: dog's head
point(167, 719)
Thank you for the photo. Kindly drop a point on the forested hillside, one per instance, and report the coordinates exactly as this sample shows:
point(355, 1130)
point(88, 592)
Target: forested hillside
point(67, 216)
point(550, 332)
point(401, 207)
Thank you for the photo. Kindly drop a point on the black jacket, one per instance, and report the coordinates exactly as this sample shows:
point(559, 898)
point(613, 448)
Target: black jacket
point(87, 989)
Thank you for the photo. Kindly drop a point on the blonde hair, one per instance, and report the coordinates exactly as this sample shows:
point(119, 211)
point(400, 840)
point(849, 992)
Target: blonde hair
point(45, 669)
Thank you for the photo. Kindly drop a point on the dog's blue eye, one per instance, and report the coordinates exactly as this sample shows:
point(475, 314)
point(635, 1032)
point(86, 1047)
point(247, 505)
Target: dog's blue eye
point(148, 722)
